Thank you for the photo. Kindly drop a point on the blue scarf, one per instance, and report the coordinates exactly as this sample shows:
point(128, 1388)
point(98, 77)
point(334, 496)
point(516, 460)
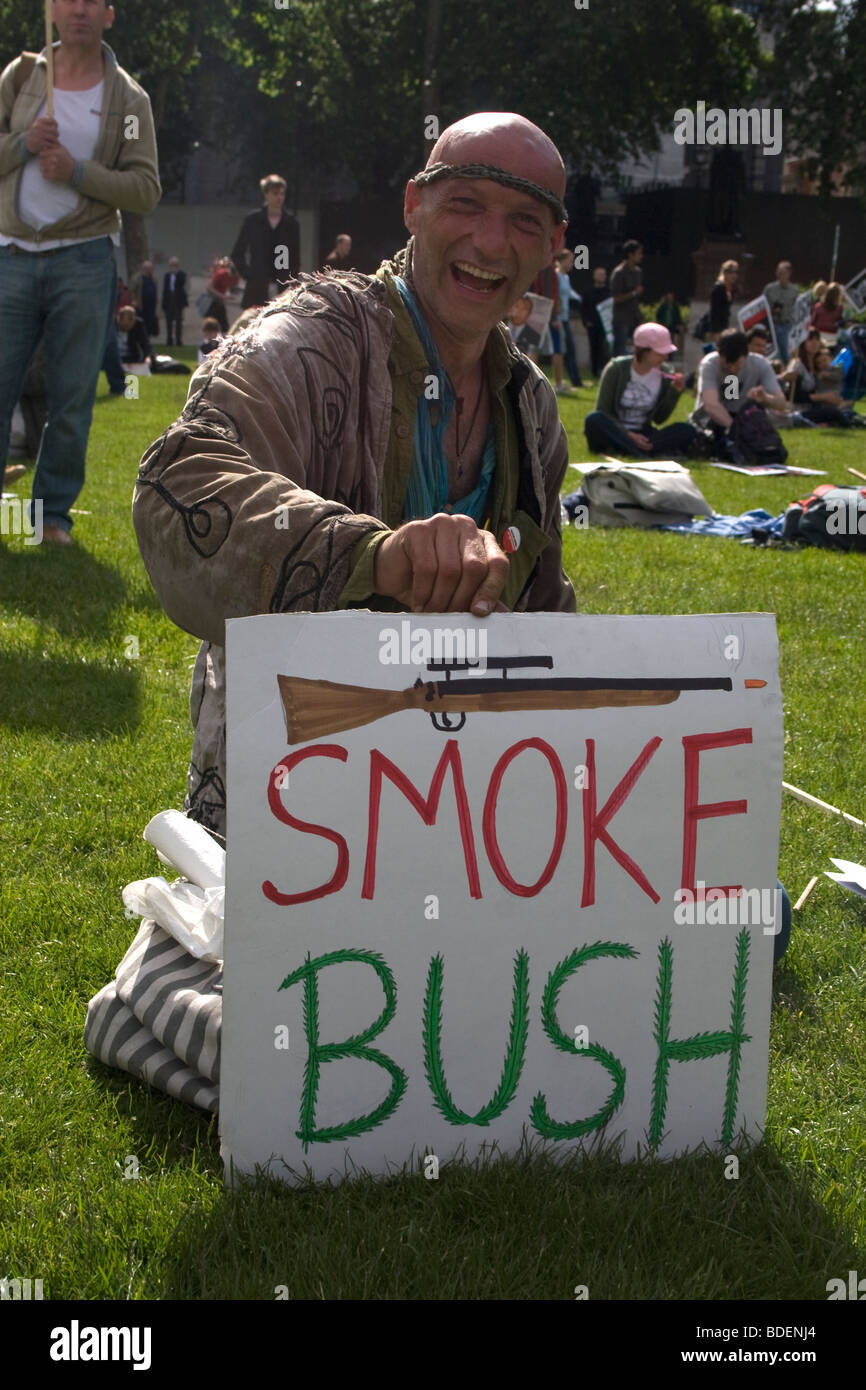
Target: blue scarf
point(427, 492)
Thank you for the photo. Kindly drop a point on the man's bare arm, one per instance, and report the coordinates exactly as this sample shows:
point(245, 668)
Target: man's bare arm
point(773, 400)
point(714, 408)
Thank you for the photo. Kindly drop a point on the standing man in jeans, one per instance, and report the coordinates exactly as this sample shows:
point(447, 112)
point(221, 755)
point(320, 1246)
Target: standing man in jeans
point(781, 296)
point(62, 182)
point(626, 286)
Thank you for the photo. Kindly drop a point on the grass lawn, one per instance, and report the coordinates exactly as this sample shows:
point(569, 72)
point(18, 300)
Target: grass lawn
point(95, 741)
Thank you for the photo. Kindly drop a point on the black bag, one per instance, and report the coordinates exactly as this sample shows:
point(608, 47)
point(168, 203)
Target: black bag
point(753, 438)
point(702, 327)
point(832, 517)
point(169, 365)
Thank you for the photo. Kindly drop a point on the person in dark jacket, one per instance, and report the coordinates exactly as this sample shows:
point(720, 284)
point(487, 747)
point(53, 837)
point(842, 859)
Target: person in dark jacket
point(340, 255)
point(721, 299)
point(634, 395)
point(144, 297)
point(174, 301)
point(268, 249)
point(132, 339)
point(668, 314)
point(598, 347)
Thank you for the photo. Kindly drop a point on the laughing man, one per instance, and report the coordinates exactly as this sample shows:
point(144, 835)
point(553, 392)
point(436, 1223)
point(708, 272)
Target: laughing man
point(369, 440)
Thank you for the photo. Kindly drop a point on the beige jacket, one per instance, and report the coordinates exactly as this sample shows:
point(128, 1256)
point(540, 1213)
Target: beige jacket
point(290, 462)
point(122, 174)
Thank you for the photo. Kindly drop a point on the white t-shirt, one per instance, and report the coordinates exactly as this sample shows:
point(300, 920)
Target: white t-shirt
point(41, 201)
point(638, 400)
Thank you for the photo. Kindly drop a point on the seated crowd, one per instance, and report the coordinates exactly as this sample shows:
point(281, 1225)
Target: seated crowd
point(738, 375)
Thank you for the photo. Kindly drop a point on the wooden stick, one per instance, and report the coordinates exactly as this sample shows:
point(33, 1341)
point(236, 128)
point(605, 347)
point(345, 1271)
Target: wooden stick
point(857, 473)
point(805, 893)
point(49, 60)
point(823, 806)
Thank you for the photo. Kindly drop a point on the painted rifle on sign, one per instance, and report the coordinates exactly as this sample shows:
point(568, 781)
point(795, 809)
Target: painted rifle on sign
point(316, 709)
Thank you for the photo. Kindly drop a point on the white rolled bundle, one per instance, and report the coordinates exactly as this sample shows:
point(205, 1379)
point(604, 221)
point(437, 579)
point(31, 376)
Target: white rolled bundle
point(193, 916)
point(185, 845)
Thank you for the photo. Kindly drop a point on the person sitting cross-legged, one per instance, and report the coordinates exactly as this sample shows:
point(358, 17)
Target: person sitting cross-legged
point(731, 378)
point(819, 396)
point(132, 340)
point(634, 395)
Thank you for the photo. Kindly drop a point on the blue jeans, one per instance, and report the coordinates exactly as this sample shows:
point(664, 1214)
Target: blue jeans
point(782, 330)
point(604, 435)
point(63, 297)
point(570, 355)
point(622, 331)
point(563, 341)
point(111, 363)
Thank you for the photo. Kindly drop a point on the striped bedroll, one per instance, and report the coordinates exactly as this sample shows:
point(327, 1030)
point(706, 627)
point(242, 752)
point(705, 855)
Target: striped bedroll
point(160, 1018)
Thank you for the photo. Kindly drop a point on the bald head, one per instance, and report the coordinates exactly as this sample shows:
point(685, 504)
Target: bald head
point(486, 215)
point(507, 141)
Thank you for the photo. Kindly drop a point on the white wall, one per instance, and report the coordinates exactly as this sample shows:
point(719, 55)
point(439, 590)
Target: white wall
point(197, 233)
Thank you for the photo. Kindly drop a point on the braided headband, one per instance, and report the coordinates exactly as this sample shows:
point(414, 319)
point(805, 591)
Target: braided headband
point(491, 171)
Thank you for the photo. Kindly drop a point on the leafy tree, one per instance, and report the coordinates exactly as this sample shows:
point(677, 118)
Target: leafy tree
point(603, 81)
point(818, 77)
point(345, 85)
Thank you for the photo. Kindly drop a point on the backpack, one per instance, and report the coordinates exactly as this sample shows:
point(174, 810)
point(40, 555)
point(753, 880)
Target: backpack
point(830, 517)
point(169, 365)
point(753, 438)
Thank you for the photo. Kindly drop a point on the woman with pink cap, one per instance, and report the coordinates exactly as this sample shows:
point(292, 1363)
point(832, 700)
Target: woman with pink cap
point(635, 395)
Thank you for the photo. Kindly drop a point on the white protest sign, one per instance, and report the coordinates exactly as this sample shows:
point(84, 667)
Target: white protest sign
point(757, 311)
point(530, 326)
point(605, 312)
point(800, 315)
point(855, 292)
point(467, 902)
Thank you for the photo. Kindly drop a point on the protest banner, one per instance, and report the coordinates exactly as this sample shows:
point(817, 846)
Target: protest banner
point(533, 325)
point(496, 878)
point(855, 292)
point(799, 321)
point(755, 312)
point(605, 313)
